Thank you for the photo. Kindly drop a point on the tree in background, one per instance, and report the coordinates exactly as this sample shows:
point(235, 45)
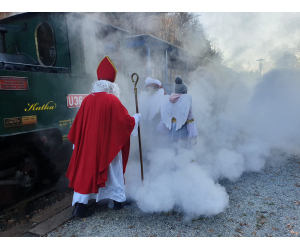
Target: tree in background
point(179, 28)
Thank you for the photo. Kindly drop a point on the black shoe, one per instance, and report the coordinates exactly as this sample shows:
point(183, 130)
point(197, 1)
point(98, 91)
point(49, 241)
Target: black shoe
point(81, 211)
point(127, 203)
point(118, 205)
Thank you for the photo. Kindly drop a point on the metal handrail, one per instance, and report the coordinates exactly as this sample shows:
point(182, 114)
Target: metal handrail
point(32, 65)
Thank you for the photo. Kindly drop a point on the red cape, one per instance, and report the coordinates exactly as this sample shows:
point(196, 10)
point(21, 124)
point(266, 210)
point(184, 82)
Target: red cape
point(101, 128)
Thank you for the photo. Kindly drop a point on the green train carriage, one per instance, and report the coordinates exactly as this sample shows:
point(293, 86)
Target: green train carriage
point(47, 64)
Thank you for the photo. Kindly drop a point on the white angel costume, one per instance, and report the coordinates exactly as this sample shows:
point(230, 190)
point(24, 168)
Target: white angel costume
point(151, 99)
point(177, 117)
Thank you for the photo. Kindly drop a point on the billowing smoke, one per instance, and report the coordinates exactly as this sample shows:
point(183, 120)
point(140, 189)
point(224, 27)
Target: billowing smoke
point(273, 109)
point(241, 119)
point(239, 125)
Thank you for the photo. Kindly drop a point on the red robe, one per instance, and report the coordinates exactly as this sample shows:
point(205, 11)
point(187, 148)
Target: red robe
point(101, 128)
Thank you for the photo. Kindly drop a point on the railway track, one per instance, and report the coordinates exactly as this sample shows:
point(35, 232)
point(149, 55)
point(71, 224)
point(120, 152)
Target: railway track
point(38, 214)
point(32, 197)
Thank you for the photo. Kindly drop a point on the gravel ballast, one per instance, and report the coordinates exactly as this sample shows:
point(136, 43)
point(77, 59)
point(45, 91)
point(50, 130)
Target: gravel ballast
point(262, 204)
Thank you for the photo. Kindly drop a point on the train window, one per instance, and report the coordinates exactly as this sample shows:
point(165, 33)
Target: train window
point(45, 44)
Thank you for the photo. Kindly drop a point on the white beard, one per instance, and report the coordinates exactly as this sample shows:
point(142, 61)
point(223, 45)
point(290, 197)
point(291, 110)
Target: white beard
point(150, 102)
point(106, 86)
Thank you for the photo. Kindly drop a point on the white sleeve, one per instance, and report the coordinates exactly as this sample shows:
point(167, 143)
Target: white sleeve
point(137, 118)
point(192, 129)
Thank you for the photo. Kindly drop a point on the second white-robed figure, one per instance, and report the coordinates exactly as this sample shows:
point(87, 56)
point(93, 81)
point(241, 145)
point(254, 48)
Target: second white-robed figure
point(177, 116)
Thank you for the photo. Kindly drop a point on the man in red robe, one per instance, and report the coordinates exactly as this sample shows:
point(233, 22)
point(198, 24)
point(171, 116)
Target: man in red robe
point(101, 136)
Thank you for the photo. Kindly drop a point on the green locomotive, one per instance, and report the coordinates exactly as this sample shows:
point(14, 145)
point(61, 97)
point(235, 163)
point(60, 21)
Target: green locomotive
point(47, 63)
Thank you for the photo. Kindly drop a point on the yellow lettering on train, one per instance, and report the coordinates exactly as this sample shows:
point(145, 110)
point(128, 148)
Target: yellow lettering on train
point(36, 106)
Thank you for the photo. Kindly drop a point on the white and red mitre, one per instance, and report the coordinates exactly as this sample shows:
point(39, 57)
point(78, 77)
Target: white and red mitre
point(106, 70)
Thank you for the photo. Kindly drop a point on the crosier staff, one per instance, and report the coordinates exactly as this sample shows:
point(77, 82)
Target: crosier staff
point(137, 111)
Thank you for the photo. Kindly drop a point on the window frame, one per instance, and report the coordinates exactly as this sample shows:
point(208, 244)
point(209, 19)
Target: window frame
point(37, 44)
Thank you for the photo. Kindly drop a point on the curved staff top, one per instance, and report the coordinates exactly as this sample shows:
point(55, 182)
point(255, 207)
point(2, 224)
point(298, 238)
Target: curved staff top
point(137, 111)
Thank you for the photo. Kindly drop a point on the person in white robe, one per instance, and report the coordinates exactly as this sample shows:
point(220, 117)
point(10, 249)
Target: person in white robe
point(151, 99)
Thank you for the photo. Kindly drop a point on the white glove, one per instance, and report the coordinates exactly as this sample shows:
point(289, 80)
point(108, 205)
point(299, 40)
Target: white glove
point(137, 117)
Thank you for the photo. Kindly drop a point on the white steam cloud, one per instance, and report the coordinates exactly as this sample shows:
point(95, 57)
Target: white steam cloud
point(239, 127)
point(241, 118)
